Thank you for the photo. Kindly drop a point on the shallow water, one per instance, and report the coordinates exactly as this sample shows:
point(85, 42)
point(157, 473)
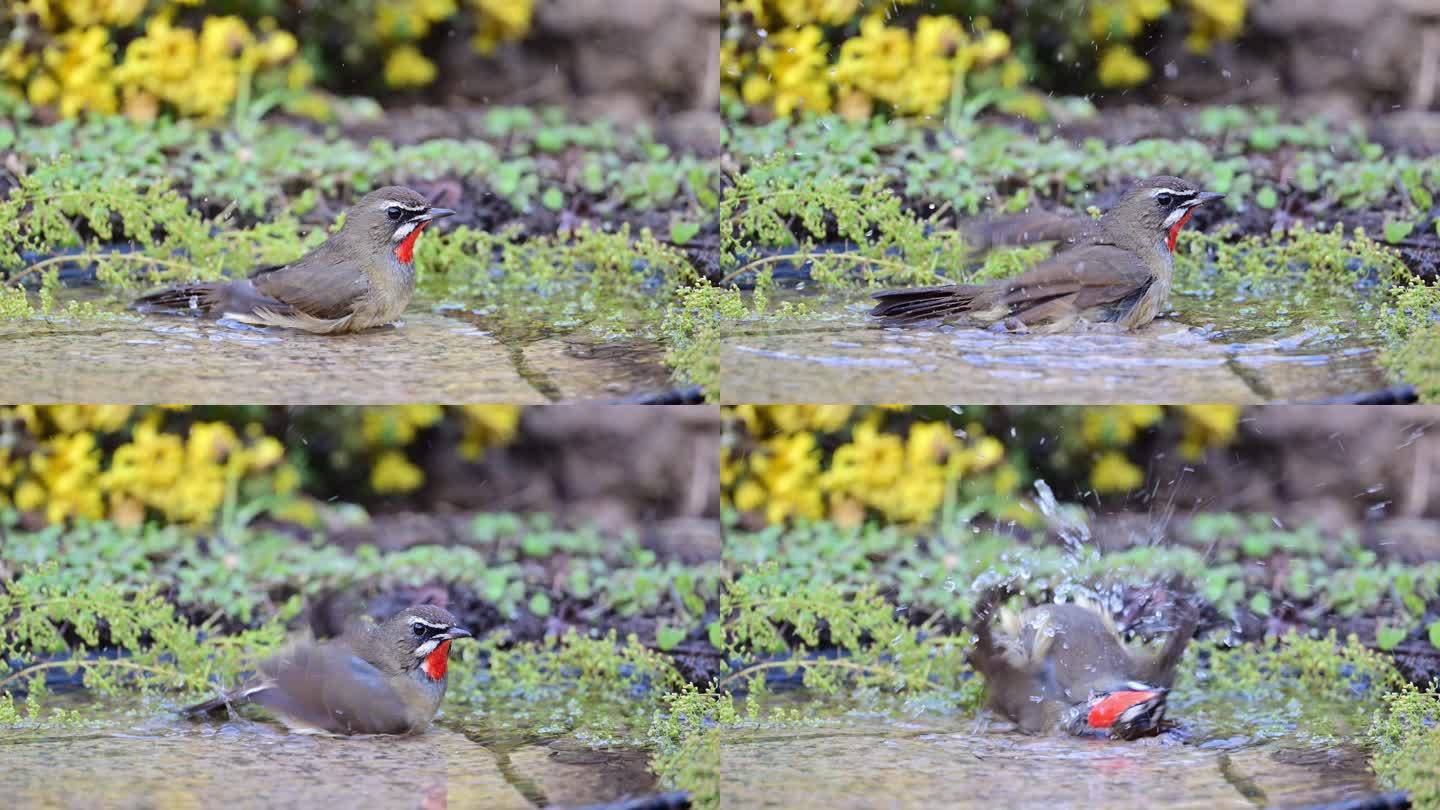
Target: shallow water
point(161, 762)
point(844, 357)
point(426, 358)
point(870, 761)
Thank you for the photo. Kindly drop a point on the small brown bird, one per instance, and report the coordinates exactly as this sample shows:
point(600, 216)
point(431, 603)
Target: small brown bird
point(1064, 667)
point(361, 277)
point(377, 679)
point(1116, 270)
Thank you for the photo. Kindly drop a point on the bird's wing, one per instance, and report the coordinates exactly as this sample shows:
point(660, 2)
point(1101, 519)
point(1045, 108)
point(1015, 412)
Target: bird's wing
point(321, 287)
point(1095, 274)
point(1025, 228)
point(328, 687)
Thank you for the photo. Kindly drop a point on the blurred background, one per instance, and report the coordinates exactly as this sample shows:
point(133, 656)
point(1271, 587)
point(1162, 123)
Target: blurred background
point(143, 58)
point(1372, 58)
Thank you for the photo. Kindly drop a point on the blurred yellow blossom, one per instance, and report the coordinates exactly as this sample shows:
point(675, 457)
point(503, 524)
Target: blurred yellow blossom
point(854, 56)
point(1208, 426)
point(501, 21)
point(1114, 473)
point(1120, 67)
point(406, 67)
point(1113, 425)
point(1123, 19)
point(394, 474)
point(1214, 19)
point(487, 426)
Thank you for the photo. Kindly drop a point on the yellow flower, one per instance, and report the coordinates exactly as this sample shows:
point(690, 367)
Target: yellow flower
point(795, 61)
point(986, 452)
point(501, 21)
point(393, 473)
point(42, 90)
point(394, 425)
point(487, 426)
point(1214, 19)
point(406, 67)
point(1113, 425)
point(1208, 426)
point(278, 47)
point(1120, 67)
point(749, 496)
point(992, 47)
point(1114, 473)
point(15, 64)
point(827, 12)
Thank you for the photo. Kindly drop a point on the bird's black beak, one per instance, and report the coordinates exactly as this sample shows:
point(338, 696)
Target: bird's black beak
point(1207, 197)
point(455, 632)
point(437, 213)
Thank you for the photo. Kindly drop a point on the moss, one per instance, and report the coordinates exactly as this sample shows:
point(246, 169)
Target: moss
point(1405, 735)
point(1325, 687)
point(1412, 328)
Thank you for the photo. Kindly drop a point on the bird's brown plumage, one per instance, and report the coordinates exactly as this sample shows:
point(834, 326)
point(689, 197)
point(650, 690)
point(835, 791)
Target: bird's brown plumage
point(355, 280)
point(1054, 657)
point(386, 678)
point(1115, 270)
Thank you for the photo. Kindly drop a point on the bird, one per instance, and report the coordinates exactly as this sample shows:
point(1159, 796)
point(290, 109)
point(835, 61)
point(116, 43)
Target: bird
point(361, 277)
point(1115, 270)
point(386, 678)
point(1063, 667)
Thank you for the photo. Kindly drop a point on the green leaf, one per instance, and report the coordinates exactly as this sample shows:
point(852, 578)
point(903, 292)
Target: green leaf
point(1388, 637)
point(553, 199)
point(1434, 632)
point(1397, 229)
point(540, 604)
point(716, 632)
point(666, 637)
point(550, 140)
point(1264, 139)
point(1267, 198)
point(1260, 603)
point(682, 232)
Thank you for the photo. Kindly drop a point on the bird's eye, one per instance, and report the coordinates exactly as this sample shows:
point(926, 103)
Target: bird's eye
point(1165, 198)
point(417, 629)
point(393, 213)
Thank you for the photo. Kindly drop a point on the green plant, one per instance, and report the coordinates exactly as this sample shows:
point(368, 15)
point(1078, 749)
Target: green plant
point(161, 651)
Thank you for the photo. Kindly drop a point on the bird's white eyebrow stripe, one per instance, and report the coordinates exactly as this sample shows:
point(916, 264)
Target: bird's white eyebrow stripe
point(405, 205)
point(428, 623)
point(1176, 192)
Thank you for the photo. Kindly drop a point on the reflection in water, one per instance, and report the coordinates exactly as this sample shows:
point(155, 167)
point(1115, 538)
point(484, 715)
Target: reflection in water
point(863, 762)
point(843, 357)
point(165, 763)
point(427, 358)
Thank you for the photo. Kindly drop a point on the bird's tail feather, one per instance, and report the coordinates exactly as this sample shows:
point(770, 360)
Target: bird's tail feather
point(924, 303)
point(197, 298)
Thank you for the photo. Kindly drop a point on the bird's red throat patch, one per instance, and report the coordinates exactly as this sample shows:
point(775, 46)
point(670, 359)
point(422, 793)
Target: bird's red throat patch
point(406, 254)
point(1174, 229)
point(1105, 712)
point(439, 658)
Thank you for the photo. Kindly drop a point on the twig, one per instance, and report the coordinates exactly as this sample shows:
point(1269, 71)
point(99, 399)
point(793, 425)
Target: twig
point(753, 668)
point(749, 267)
point(95, 663)
point(90, 257)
